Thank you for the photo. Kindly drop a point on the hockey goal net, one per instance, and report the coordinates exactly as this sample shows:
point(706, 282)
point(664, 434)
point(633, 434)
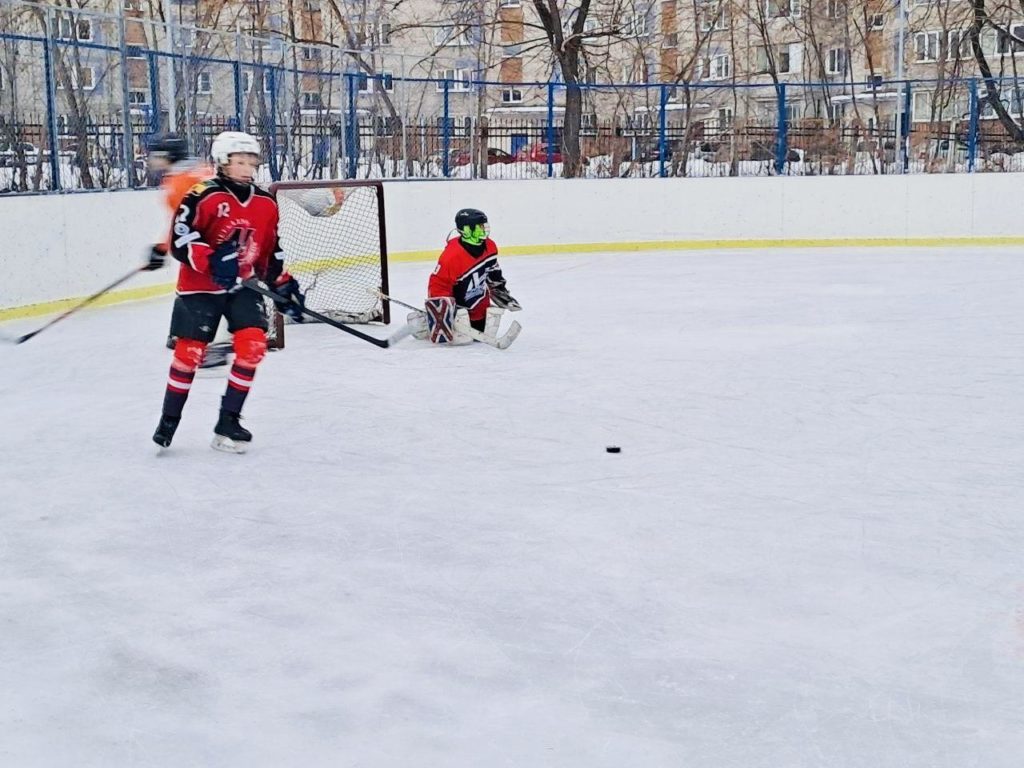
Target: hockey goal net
point(333, 237)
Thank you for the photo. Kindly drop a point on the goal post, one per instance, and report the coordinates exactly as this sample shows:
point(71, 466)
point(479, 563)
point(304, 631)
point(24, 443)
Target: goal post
point(334, 239)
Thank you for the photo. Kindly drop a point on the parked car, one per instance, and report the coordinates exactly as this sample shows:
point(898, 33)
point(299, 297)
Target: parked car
point(495, 156)
point(765, 151)
point(538, 153)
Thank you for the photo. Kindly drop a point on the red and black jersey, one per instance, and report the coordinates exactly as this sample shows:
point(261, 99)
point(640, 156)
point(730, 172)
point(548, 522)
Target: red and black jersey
point(212, 212)
point(463, 276)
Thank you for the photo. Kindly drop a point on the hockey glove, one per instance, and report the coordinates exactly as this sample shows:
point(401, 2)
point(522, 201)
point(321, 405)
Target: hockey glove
point(500, 297)
point(224, 264)
point(155, 258)
point(291, 300)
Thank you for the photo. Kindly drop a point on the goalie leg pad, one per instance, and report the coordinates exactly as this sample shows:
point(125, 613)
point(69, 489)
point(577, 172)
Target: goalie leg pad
point(418, 321)
point(250, 346)
point(462, 328)
point(440, 316)
point(494, 315)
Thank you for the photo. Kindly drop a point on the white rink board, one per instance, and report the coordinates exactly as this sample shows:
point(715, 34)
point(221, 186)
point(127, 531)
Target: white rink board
point(61, 246)
point(807, 555)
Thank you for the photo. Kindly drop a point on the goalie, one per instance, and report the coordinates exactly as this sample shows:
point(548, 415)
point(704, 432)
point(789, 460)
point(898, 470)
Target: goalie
point(467, 286)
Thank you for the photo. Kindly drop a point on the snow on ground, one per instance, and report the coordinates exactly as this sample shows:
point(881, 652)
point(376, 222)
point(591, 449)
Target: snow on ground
point(808, 552)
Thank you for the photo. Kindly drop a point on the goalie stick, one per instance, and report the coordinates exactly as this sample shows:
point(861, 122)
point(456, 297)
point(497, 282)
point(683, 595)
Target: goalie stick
point(500, 342)
point(254, 285)
point(82, 304)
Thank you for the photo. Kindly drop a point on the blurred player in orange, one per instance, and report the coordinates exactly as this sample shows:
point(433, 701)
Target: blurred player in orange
point(169, 160)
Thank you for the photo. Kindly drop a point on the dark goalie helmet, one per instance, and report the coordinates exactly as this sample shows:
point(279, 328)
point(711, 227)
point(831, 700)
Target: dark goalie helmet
point(471, 225)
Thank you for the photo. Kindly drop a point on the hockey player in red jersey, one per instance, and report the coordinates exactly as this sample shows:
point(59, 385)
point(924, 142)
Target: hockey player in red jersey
point(169, 161)
point(467, 277)
point(225, 231)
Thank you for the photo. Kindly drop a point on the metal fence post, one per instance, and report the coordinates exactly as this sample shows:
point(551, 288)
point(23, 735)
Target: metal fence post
point(662, 144)
point(445, 135)
point(154, 92)
point(127, 140)
point(972, 131)
point(51, 103)
point(905, 129)
point(239, 90)
point(351, 127)
point(550, 144)
point(275, 172)
point(781, 131)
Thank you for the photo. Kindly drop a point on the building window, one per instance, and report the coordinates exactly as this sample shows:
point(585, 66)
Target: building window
point(782, 8)
point(720, 67)
point(634, 25)
point(133, 5)
point(958, 45)
point(835, 9)
point(247, 81)
point(925, 108)
point(835, 61)
point(457, 79)
point(876, 21)
point(381, 34)
point(312, 54)
point(69, 28)
point(383, 82)
point(511, 96)
point(312, 100)
point(1007, 44)
point(670, 40)
point(926, 46)
point(312, 6)
point(138, 98)
point(509, 3)
point(451, 35)
point(588, 124)
point(713, 16)
point(203, 83)
point(83, 78)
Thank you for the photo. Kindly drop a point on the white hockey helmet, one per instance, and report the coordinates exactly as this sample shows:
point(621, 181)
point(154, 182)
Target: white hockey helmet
point(231, 143)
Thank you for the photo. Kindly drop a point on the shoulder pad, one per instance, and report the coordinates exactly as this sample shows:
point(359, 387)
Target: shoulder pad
point(202, 186)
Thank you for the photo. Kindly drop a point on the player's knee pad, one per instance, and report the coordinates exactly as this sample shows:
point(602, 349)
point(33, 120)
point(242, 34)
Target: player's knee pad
point(250, 346)
point(188, 353)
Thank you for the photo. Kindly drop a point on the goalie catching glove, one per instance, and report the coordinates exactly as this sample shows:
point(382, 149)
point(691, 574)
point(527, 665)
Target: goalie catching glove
point(500, 297)
point(292, 300)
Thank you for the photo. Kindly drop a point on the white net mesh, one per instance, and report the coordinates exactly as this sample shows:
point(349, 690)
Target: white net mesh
point(331, 235)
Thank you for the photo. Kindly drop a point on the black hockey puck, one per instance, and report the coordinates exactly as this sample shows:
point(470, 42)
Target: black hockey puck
point(613, 449)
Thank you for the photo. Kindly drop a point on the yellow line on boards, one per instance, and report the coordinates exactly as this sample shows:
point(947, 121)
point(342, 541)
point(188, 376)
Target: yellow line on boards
point(114, 297)
point(135, 294)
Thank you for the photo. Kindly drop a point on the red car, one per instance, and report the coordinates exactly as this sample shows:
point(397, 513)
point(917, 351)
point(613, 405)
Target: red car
point(494, 157)
point(538, 153)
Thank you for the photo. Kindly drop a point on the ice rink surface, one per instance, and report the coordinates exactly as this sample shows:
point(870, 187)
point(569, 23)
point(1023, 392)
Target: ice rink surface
point(810, 551)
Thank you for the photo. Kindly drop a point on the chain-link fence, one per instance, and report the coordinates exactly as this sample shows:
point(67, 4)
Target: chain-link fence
point(81, 93)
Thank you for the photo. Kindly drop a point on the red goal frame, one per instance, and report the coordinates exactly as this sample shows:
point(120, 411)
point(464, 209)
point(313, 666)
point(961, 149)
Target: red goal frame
point(381, 225)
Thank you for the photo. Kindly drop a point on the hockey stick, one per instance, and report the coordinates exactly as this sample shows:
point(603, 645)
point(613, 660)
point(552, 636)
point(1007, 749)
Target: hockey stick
point(500, 342)
point(253, 285)
point(80, 305)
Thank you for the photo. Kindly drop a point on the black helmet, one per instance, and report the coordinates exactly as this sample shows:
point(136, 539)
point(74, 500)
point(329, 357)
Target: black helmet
point(170, 146)
point(469, 217)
